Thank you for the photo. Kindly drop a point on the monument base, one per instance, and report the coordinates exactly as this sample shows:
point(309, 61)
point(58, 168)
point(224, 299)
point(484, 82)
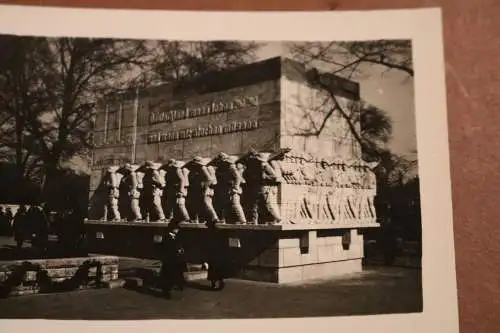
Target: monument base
point(271, 253)
point(32, 276)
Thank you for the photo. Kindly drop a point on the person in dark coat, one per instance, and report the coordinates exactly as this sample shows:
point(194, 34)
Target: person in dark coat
point(389, 242)
point(3, 221)
point(217, 265)
point(9, 215)
point(6, 218)
point(173, 264)
point(69, 231)
point(21, 227)
point(40, 223)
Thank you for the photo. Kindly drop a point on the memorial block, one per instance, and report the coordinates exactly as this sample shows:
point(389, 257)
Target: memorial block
point(255, 148)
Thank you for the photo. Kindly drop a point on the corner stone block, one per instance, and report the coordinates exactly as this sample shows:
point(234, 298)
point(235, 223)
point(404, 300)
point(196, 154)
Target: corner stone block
point(254, 262)
point(290, 274)
point(266, 275)
point(288, 243)
point(327, 254)
point(333, 240)
point(291, 257)
point(355, 252)
point(313, 240)
point(311, 257)
point(354, 233)
point(314, 272)
point(270, 258)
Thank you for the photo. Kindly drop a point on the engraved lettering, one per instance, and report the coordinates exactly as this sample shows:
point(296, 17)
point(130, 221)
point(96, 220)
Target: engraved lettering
point(202, 109)
point(236, 126)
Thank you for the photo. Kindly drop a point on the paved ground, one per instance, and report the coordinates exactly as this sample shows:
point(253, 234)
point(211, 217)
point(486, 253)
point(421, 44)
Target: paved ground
point(375, 291)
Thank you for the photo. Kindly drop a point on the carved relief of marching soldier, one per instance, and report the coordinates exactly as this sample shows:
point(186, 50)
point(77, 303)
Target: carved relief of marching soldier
point(372, 185)
point(261, 189)
point(175, 192)
point(131, 191)
point(152, 192)
point(228, 190)
point(201, 191)
point(335, 199)
point(111, 184)
point(326, 192)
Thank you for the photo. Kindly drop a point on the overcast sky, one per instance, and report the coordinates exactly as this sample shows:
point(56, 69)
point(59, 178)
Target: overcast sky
point(391, 91)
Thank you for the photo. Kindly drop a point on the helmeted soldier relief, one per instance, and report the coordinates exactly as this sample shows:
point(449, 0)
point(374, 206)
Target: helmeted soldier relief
point(261, 188)
point(175, 192)
point(152, 192)
point(228, 190)
point(200, 191)
point(131, 191)
point(111, 184)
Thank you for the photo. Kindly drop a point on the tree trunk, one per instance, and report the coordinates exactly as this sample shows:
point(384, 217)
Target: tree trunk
point(20, 165)
point(50, 185)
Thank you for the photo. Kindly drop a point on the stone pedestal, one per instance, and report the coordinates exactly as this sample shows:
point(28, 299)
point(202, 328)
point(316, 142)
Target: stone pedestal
point(285, 160)
point(271, 253)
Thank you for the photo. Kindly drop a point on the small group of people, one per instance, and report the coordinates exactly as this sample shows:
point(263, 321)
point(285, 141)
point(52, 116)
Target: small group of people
point(34, 224)
point(174, 264)
point(31, 225)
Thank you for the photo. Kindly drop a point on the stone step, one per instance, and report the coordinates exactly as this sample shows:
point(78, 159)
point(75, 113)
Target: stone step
point(196, 275)
point(119, 283)
point(138, 282)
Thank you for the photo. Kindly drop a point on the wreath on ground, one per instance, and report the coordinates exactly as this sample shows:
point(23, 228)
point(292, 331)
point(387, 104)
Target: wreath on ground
point(46, 284)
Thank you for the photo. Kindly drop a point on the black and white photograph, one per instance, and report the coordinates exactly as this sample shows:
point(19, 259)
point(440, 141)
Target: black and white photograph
point(212, 178)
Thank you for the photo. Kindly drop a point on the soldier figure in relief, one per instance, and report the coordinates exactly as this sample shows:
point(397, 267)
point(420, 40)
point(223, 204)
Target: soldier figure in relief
point(175, 192)
point(372, 184)
point(228, 190)
point(200, 192)
point(261, 186)
point(111, 182)
point(152, 192)
point(131, 188)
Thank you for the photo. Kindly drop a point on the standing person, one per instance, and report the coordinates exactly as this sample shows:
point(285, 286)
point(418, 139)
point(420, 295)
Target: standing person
point(173, 264)
point(217, 265)
point(389, 238)
point(3, 221)
point(9, 217)
point(20, 226)
point(39, 220)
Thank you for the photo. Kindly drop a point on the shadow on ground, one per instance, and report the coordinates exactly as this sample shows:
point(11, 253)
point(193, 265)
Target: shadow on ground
point(377, 290)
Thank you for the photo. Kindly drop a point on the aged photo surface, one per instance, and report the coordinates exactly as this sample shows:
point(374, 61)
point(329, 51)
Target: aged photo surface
point(189, 179)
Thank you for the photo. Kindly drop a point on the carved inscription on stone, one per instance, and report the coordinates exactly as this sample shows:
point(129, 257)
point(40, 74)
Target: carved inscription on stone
point(199, 110)
point(235, 126)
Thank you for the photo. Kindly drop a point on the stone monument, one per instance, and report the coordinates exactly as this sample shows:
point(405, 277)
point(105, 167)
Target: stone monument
point(264, 158)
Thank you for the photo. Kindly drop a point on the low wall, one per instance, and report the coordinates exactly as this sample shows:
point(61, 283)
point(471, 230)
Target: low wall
point(21, 277)
point(272, 253)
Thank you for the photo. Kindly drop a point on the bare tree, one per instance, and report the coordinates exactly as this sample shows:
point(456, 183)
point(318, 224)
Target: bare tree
point(50, 88)
point(345, 58)
point(26, 92)
point(177, 61)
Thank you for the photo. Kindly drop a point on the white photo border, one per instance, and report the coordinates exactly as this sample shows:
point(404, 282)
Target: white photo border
point(422, 26)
